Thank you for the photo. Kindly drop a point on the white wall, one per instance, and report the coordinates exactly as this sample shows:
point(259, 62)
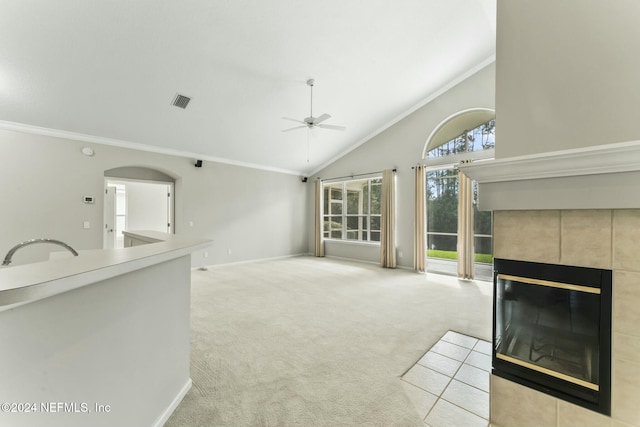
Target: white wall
point(255, 213)
point(401, 146)
point(567, 74)
point(147, 207)
point(566, 77)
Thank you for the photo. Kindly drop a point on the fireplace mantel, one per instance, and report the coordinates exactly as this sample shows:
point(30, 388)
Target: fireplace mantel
point(596, 160)
point(598, 177)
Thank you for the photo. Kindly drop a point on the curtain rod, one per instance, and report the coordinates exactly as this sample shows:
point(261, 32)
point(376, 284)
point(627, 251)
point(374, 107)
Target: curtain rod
point(353, 175)
point(441, 166)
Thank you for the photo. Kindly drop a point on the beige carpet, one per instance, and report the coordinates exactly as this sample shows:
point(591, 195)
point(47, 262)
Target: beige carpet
point(317, 342)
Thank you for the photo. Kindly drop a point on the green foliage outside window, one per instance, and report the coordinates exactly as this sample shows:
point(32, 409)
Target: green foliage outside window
point(352, 209)
point(442, 199)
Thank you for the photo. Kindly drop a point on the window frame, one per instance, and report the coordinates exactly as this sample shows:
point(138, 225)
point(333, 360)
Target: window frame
point(367, 218)
point(451, 162)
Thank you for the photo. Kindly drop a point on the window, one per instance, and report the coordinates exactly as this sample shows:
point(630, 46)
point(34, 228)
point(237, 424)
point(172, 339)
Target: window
point(442, 213)
point(442, 196)
point(482, 231)
point(480, 138)
point(352, 210)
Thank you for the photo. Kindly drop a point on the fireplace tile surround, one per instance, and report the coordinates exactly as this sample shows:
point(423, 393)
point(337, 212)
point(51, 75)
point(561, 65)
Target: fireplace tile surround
point(599, 238)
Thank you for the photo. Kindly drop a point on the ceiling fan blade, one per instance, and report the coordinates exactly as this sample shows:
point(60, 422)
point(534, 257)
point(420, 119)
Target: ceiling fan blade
point(332, 127)
point(321, 119)
point(293, 128)
point(294, 120)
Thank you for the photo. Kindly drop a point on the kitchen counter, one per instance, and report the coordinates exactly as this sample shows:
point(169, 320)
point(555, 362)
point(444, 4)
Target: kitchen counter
point(137, 238)
point(30, 282)
point(101, 339)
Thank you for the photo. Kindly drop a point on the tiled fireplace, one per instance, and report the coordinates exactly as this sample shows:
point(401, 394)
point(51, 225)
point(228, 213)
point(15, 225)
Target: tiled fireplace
point(607, 239)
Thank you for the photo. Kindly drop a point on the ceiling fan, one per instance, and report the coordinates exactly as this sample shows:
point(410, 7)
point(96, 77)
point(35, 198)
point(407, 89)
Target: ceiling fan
point(312, 122)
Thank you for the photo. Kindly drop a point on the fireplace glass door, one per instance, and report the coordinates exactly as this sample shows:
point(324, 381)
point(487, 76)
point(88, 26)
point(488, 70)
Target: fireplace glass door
point(548, 328)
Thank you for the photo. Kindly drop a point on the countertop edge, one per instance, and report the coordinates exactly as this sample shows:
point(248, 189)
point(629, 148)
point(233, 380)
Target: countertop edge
point(27, 283)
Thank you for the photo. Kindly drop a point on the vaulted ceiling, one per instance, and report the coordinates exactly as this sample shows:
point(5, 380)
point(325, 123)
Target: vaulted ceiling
point(109, 70)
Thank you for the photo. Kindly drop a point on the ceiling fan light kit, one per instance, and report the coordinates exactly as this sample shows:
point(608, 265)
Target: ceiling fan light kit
point(311, 122)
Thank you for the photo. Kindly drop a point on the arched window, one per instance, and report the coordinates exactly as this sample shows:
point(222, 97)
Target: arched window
point(480, 138)
point(467, 136)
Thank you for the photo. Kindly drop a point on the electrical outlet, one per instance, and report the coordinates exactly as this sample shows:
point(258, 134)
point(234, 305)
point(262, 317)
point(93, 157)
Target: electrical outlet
point(229, 251)
point(205, 254)
point(400, 254)
point(86, 225)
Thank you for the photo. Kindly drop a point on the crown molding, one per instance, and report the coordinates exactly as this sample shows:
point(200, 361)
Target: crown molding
point(55, 133)
point(595, 160)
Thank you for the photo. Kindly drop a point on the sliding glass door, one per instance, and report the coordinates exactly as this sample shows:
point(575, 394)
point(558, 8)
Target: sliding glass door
point(442, 226)
point(443, 200)
point(442, 214)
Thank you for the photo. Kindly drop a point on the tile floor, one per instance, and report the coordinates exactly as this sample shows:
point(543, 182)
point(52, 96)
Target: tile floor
point(449, 385)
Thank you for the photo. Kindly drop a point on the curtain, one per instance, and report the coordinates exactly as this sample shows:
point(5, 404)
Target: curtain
point(419, 235)
point(465, 227)
point(388, 220)
point(319, 249)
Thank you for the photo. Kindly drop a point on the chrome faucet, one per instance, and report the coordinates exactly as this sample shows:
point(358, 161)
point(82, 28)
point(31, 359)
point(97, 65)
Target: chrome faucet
point(7, 259)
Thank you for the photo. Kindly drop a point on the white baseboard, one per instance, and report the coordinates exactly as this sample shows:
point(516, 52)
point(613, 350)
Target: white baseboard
point(248, 261)
point(364, 261)
point(164, 417)
point(403, 267)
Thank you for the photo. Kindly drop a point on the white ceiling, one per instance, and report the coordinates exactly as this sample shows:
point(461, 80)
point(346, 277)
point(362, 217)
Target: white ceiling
point(110, 69)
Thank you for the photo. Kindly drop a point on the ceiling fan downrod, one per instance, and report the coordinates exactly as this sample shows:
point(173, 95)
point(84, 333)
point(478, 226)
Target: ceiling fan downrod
point(311, 82)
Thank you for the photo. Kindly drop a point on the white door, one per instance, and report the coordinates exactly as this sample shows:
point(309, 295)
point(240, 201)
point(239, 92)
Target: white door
point(109, 235)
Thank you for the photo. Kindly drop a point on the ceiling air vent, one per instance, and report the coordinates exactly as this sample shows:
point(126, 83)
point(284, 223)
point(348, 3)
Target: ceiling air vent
point(181, 101)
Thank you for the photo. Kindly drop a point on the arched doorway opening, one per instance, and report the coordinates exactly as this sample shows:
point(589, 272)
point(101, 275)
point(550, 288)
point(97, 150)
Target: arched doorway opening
point(136, 198)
